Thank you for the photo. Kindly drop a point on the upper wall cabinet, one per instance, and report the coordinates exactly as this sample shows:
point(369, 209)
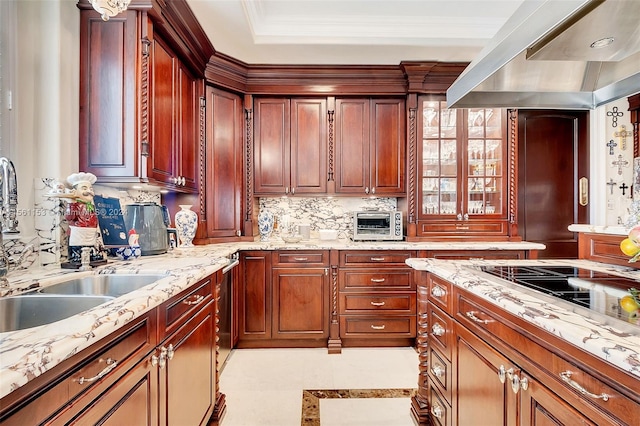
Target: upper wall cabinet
point(290, 146)
point(140, 91)
point(465, 182)
point(370, 146)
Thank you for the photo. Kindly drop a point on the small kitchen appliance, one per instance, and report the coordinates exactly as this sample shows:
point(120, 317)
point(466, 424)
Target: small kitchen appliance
point(150, 221)
point(376, 225)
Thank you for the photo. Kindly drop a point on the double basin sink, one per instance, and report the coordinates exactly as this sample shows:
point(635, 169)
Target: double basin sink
point(67, 298)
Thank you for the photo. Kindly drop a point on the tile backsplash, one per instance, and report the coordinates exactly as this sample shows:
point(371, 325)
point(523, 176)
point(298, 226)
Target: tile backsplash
point(322, 213)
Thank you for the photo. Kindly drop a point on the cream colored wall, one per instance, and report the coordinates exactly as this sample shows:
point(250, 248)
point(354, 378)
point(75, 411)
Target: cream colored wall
point(45, 96)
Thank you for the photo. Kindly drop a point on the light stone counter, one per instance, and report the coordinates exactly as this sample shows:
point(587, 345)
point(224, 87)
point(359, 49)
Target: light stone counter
point(599, 229)
point(613, 341)
point(28, 353)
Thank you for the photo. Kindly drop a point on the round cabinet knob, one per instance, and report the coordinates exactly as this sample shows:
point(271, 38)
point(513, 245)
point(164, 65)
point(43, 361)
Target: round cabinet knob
point(438, 291)
point(438, 371)
point(437, 411)
point(437, 330)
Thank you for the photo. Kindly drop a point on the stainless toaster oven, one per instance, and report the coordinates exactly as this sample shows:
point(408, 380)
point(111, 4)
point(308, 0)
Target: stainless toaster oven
point(377, 226)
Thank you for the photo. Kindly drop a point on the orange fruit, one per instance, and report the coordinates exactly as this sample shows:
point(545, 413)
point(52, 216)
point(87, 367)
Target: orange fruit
point(629, 304)
point(628, 247)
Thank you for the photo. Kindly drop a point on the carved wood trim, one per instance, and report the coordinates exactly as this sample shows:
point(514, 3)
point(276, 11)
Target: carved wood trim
point(513, 170)
point(420, 401)
point(144, 97)
point(249, 162)
point(412, 142)
point(330, 114)
point(203, 155)
point(634, 108)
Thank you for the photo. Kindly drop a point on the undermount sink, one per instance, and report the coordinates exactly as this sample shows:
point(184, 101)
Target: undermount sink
point(114, 285)
point(26, 311)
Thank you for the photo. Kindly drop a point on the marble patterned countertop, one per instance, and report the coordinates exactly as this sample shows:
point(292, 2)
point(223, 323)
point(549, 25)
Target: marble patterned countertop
point(611, 340)
point(26, 354)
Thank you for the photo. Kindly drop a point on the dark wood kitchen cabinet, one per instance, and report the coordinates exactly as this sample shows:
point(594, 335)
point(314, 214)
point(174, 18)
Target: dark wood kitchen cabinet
point(465, 186)
point(370, 146)
point(175, 100)
point(144, 373)
point(477, 358)
point(224, 168)
point(283, 299)
point(141, 80)
point(290, 146)
point(377, 298)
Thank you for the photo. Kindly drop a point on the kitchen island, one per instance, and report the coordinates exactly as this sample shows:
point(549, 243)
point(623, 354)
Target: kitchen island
point(31, 355)
point(535, 356)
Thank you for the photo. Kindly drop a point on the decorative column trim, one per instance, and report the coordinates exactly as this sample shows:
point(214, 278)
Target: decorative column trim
point(331, 146)
point(202, 151)
point(249, 161)
point(513, 146)
point(144, 97)
point(412, 165)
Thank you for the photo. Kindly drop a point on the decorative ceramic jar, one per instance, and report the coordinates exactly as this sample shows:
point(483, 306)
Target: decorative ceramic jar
point(186, 221)
point(265, 224)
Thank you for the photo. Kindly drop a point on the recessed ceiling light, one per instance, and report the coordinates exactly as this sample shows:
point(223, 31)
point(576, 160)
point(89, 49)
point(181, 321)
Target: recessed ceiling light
point(603, 42)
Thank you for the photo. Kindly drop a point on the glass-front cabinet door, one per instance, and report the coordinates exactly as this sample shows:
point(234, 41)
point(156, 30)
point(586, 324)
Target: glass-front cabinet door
point(463, 180)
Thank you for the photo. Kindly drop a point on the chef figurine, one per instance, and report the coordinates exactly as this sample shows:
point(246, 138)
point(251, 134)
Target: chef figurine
point(81, 217)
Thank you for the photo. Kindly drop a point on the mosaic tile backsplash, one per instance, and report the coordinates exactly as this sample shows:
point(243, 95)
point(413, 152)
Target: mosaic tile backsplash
point(322, 213)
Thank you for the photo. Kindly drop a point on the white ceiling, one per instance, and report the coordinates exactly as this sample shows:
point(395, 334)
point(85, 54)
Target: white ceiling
point(373, 32)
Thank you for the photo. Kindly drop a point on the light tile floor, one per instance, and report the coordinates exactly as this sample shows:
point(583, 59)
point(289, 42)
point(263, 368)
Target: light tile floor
point(265, 386)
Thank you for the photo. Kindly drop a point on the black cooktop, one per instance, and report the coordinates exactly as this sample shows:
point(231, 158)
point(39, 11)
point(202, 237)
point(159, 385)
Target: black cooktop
point(595, 291)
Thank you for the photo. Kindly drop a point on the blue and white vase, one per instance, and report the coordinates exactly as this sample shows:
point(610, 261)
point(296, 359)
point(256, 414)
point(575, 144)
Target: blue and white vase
point(186, 221)
point(265, 224)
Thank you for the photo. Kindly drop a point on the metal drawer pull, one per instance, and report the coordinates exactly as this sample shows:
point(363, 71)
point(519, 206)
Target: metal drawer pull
point(566, 377)
point(195, 299)
point(377, 303)
point(377, 280)
point(437, 329)
point(438, 291)
point(502, 373)
point(111, 364)
point(377, 259)
point(170, 352)
point(472, 315)
point(437, 411)
point(377, 327)
point(301, 259)
point(437, 371)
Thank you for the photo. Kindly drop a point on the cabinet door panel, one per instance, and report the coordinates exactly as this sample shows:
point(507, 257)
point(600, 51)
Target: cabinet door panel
point(224, 163)
point(255, 296)
point(162, 112)
point(352, 145)
point(309, 145)
point(478, 388)
point(300, 303)
point(388, 147)
point(188, 138)
point(272, 145)
point(192, 366)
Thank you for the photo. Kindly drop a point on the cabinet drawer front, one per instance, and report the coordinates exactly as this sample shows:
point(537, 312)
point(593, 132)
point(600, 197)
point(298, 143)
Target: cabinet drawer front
point(441, 413)
point(440, 372)
point(478, 254)
point(298, 257)
point(440, 293)
point(466, 228)
point(395, 303)
point(176, 311)
point(384, 279)
point(401, 326)
point(440, 330)
point(374, 258)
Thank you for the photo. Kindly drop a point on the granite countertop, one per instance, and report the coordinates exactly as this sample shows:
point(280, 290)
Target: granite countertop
point(613, 342)
point(26, 354)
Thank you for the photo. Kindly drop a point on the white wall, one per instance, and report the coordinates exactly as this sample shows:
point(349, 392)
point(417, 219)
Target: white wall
point(45, 96)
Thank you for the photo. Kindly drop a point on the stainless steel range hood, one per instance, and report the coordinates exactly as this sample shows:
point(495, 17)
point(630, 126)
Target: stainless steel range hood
point(542, 57)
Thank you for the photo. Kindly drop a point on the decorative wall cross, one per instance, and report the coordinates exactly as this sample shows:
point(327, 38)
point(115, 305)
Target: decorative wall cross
point(623, 187)
point(611, 145)
point(611, 184)
point(614, 114)
point(620, 163)
point(622, 134)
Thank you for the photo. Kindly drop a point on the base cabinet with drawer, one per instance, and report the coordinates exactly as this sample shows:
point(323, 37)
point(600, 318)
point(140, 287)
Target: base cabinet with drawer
point(283, 299)
point(145, 373)
point(479, 360)
point(376, 298)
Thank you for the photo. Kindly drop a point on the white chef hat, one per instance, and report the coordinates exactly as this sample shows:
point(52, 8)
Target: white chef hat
point(80, 177)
